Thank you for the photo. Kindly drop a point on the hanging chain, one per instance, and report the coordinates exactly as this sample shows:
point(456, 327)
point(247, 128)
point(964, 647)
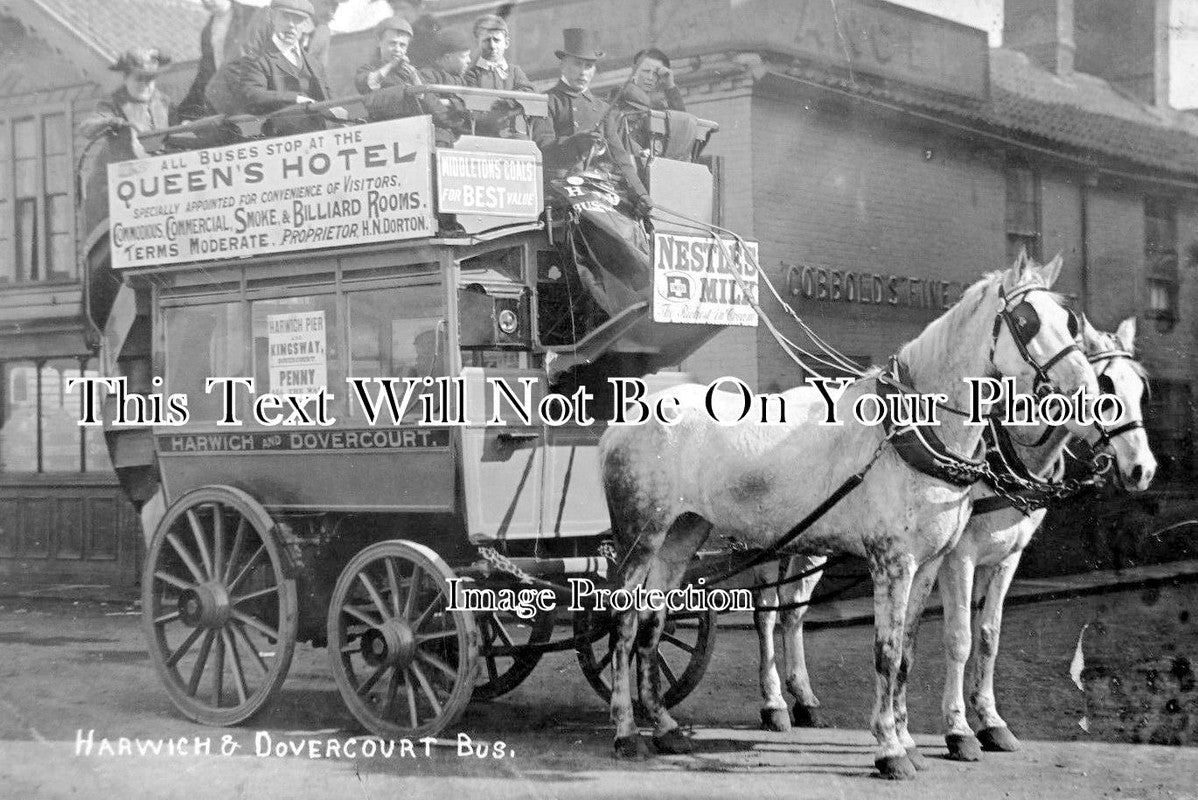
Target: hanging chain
point(504, 564)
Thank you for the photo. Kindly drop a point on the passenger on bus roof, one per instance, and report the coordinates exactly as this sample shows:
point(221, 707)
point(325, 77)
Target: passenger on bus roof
point(651, 74)
point(221, 41)
point(283, 74)
point(452, 49)
point(385, 79)
point(491, 70)
point(138, 103)
point(578, 127)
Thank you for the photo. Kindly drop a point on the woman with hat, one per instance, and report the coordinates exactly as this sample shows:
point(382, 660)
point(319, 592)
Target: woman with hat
point(137, 103)
point(579, 126)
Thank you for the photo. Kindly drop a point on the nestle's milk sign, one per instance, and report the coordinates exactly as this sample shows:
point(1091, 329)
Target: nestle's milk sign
point(697, 279)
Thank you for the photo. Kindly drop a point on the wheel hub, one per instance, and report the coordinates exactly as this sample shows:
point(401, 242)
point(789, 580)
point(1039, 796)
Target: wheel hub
point(206, 606)
point(393, 644)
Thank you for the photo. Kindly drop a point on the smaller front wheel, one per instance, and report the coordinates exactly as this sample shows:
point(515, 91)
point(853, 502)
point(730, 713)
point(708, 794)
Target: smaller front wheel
point(404, 663)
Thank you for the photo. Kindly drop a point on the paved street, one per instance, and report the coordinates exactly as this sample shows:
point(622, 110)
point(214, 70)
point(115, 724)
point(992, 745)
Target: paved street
point(69, 668)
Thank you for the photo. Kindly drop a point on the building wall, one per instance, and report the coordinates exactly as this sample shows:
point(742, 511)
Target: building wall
point(852, 189)
point(734, 145)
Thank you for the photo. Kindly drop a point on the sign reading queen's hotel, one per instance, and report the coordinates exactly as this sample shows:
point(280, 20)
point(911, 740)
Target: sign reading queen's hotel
point(370, 183)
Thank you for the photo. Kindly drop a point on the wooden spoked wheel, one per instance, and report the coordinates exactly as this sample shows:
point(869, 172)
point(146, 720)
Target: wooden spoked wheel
point(218, 609)
point(684, 651)
point(500, 672)
point(404, 664)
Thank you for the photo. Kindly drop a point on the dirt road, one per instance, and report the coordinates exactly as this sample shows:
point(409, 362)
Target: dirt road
point(74, 675)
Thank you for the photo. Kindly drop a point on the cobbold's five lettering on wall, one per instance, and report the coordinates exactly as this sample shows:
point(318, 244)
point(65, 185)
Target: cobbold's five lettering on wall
point(869, 288)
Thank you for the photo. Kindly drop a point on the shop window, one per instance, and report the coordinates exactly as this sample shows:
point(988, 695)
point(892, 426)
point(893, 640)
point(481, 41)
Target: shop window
point(36, 211)
point(1160, 260)
point(1169, 419)
point(39, 430)
point(1023, 211)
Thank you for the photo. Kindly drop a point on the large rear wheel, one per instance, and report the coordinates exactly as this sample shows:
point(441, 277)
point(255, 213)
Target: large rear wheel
point(218, 609)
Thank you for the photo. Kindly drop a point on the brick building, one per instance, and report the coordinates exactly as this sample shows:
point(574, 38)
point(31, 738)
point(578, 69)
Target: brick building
point(881, 157)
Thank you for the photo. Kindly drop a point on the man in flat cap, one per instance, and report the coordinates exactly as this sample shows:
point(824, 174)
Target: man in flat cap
point(452, 55)
point(138, 103)
point(578, 126)
point(384, 81)
point(491, 70)
point(283, 74)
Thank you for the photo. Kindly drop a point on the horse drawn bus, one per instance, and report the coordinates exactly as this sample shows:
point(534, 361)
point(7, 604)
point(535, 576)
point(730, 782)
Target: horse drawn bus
point(283, 316)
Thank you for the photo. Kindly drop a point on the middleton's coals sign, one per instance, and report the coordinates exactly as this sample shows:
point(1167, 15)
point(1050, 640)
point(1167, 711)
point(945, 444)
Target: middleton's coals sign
point(369, 183)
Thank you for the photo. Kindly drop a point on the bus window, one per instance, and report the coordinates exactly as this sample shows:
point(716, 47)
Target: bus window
point(296, 348)
point(398, 333)
point(206, 341)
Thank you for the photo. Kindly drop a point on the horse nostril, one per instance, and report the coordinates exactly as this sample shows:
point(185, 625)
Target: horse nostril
point(1136, 472)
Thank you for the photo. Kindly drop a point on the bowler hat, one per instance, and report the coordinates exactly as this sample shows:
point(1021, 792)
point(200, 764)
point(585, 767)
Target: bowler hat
point(295, 7)
point(451, 40)
point(141, 61)
point(490, 22)
point(396, 23)
point(580, 43)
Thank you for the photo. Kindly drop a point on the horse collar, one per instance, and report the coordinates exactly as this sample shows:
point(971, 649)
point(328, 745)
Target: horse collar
point(919, 446)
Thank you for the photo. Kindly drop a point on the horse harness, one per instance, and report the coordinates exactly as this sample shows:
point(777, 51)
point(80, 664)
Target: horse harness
point(1037, 492)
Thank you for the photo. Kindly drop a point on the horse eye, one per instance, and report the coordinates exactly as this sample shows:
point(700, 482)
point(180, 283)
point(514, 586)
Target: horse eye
point(1074, 325)
point(1105, 384)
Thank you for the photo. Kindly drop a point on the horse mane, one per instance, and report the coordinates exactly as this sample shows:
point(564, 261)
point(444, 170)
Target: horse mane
point(933, 340)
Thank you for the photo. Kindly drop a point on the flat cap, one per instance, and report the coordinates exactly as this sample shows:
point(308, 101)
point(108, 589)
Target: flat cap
point(451, 40)
point(295, 7)
point(396, 23)
point(490, 22)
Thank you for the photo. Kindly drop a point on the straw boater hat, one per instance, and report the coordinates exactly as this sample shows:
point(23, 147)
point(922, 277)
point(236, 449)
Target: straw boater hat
point(580, 43)
point(147, 61)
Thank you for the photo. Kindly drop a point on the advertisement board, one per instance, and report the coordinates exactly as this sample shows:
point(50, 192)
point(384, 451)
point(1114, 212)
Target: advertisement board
point(370, 183)
point(694, 280)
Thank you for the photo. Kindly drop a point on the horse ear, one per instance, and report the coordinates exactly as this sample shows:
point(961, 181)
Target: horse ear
point(1126, 334)
point(1050, 271)
point(1018, 272)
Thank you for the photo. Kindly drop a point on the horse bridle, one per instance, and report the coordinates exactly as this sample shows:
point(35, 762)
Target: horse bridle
point(1105, 436)
point(1024, 323)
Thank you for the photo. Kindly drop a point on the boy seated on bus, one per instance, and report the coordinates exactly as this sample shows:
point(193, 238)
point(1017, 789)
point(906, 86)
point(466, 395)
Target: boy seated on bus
point(452, 49)
point(385, 80)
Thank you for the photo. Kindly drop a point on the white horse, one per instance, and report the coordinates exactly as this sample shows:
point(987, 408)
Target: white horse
point(668, 484)
point(982, 563)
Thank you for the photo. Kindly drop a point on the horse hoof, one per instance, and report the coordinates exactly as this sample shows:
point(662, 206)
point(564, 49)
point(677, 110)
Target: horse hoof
point(630, 748)
point(895, 768)
point(998, 739)
point(775, 719)
point(917, 760)
point(806, 716)
point(672, 742)
point(963, 748)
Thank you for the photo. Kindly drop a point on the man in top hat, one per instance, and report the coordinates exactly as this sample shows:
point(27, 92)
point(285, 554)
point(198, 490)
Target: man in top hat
point(578, 124)
point(283, 74)
point(491, 70)
point(385, 79)
point(221, 41)
point(452, 56)
point(137, 103)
